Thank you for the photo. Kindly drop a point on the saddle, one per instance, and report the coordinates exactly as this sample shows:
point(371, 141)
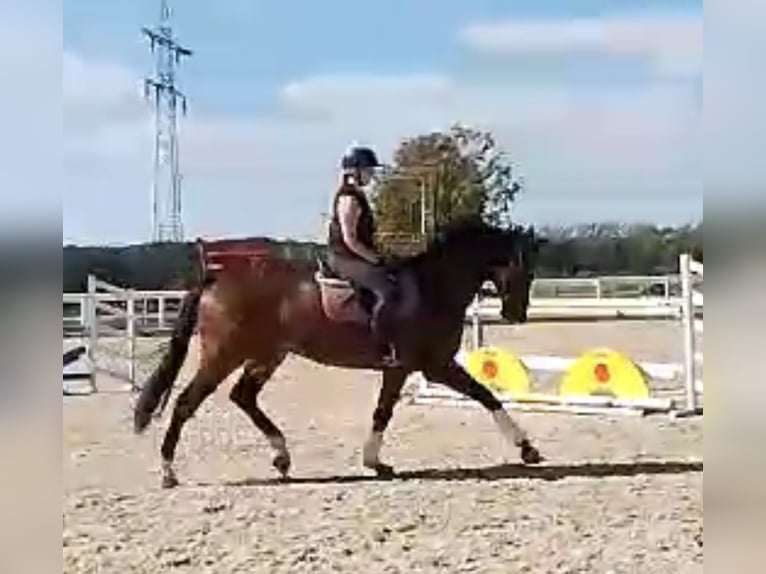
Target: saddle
point(344, 302)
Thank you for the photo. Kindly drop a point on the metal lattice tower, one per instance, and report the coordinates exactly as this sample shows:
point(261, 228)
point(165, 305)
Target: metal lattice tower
point(161, 90)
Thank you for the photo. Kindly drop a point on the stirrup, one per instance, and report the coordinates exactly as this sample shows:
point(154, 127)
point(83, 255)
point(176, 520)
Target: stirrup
point(390, 357)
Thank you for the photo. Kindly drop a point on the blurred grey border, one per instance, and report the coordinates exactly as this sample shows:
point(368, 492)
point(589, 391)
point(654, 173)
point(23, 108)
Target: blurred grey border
point(734, 167)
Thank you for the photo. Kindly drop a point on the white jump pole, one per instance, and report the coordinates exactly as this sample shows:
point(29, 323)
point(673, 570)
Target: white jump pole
point(476, 331)
point(687, 314)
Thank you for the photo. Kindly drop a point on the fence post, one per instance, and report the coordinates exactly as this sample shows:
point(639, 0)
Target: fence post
point(161, 312)
point(478, 335)
point(91, 329)
point(83, 318)
point(687, 315)
point(130, 333)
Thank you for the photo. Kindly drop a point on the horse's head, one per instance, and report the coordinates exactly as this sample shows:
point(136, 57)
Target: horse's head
point(505, 257)
point(512, 272)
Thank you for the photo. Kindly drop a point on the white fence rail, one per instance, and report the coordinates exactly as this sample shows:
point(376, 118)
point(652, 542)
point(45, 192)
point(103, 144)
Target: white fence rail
point(686, 310)
point(109, 312)
point(552, 299)
point(552, 309)
point(622, 286)
point(107, 321)
point(109, 318)
point(154, 311)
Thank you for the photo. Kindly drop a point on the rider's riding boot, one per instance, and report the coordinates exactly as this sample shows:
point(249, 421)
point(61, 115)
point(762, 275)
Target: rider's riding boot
point(385, 342)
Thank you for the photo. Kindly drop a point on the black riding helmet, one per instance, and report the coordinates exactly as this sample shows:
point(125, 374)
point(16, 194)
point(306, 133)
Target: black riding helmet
point(360, 157)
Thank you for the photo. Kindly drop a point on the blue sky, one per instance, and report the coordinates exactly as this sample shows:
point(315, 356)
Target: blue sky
point(598, 102)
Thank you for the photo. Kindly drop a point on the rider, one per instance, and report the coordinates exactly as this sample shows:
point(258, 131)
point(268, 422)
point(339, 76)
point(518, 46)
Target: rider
point(351, 248)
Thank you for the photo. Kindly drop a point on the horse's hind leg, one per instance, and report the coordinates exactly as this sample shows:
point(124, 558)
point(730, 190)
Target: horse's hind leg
point(207, 378)
point(456, 378)
point(245, 393)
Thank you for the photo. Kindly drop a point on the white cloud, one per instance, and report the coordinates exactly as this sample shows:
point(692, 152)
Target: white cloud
point(241, 175)
point(672, 43)
point(585, 151)
point(354, 89)
point(118, 86)
point(611, 149)
point(605, 151)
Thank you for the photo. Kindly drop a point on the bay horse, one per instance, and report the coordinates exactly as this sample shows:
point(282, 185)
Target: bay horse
point(256, 317)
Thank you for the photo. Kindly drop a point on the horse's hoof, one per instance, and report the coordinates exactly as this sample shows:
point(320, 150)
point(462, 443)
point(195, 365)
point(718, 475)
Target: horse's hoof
point(384, 470)
point(169, 481)
point(282, 463)
point(529, 454)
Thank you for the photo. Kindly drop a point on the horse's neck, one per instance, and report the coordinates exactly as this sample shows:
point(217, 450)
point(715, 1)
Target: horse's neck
point(455, 283)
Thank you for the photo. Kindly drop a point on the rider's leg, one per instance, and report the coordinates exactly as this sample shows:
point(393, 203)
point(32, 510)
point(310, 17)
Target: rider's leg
point(382, 320)
point(376, 279)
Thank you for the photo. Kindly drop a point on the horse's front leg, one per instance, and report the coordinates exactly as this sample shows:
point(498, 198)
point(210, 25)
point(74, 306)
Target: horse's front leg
point(390, 391)
point(455, 377)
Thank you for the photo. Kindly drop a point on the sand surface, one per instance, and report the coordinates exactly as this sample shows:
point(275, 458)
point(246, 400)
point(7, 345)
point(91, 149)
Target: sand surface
point(616, 494)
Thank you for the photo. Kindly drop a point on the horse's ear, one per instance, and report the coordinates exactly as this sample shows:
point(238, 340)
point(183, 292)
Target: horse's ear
point(534, 241)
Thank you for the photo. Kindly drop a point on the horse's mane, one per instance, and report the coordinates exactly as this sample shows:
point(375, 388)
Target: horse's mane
point(463, 231)
point(464, 234)
point(456, 232)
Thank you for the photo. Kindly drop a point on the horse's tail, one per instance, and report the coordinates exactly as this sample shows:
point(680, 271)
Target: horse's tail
point(157, 388)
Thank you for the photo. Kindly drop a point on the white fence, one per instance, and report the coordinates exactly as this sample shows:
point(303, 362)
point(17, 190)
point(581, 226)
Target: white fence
point(109, 318)
point(109, 323)
point(154, 311)
point(683, 378)
point(552, 299)
point(112, 319)
point(619, 286)
point(692, 327)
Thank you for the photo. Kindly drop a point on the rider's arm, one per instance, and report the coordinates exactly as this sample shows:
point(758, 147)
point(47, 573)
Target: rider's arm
point(348, 214)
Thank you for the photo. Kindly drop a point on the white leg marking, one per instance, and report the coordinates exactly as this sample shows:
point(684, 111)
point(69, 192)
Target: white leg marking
point(279, 444)
point(371, 451)
point(509, 428)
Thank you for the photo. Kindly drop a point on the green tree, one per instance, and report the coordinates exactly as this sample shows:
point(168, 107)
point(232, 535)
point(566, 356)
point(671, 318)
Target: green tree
point(443, 176)
point(494, 171)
